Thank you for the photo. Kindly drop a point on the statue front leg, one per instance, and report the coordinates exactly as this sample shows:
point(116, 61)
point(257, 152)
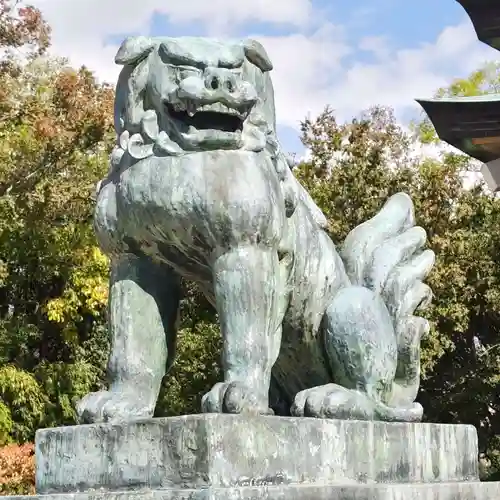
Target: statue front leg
point(247, 291)
point(143, 306)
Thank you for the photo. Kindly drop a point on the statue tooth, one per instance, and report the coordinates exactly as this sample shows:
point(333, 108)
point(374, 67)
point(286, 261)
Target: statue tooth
point(191, 108)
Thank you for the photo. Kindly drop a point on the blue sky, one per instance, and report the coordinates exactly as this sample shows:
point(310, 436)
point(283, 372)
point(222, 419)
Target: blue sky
point(346, 54)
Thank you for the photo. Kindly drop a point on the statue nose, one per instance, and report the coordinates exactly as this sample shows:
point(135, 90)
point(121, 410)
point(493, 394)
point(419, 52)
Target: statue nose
point(220, 80)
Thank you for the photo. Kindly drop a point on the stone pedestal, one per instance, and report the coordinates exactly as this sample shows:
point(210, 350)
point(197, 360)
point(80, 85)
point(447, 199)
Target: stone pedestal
point(243, 457)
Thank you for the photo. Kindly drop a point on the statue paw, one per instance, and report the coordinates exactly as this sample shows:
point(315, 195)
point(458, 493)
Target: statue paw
point(337, 402)
point(234, 397)
point(113, 407)
point(333, 401)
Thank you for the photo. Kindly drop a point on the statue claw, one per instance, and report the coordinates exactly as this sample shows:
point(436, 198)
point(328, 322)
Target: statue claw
point(333, 401)
point(336, 402)
point(234, 397)
point(111, 406)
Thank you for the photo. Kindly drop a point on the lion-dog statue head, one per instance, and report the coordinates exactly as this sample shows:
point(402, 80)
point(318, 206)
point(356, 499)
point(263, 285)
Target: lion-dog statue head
point(176, 96)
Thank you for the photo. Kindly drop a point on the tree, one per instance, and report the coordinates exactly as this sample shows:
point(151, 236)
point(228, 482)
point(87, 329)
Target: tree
point(22, 27)
point(55, 135)
point(471, 368)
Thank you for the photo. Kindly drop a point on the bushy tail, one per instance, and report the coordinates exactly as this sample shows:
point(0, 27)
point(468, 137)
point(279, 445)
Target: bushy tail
point(386, 254)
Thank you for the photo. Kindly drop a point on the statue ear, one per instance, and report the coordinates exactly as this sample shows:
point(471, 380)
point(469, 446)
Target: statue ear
point(133, 49)
point(256, 54)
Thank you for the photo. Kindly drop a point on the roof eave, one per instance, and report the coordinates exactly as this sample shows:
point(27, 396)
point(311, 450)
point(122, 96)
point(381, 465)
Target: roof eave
point(458, 121)
point(485, 17)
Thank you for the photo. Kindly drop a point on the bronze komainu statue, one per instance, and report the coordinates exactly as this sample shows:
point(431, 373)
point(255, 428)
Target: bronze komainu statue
point(198, 188)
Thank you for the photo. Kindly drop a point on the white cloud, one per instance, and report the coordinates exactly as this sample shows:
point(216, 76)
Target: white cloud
point(303, 68)
point(228, 13)
point(81, 27)
point(313, 68)
point(105, 16)
point(403, 75)
point(376, 45)
point(318, 73)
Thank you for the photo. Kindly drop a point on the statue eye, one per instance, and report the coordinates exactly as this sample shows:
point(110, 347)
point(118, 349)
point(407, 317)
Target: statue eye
point(186, 72)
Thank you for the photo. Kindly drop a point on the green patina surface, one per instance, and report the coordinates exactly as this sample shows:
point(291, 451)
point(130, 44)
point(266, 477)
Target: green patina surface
point(198, 188)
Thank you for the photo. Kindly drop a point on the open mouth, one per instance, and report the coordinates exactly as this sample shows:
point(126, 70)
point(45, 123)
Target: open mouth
point(207, 118)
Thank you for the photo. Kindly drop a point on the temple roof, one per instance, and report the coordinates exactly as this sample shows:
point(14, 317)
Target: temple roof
point(485, 17)
point(471, 124)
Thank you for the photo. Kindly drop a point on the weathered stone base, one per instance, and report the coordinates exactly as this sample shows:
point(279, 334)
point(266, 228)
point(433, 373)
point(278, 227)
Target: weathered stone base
point(225, 451)
point(229, 457)
point(442, 491)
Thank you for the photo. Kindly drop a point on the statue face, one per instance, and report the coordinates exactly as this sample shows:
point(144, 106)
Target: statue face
point(205, 104)
point(206, 94)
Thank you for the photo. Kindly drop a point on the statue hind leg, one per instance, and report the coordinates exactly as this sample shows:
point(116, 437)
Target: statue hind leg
point(361, 345)
point(143, 308)
point(370, 332)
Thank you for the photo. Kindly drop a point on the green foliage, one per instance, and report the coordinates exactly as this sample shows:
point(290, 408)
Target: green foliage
point(351, 169)
point(22, 395)
point(195, 371)
point(465, 383)
point(485, 80)
point(6, 424)
point(65, 384)
point(197, 364)
point(55, 135)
